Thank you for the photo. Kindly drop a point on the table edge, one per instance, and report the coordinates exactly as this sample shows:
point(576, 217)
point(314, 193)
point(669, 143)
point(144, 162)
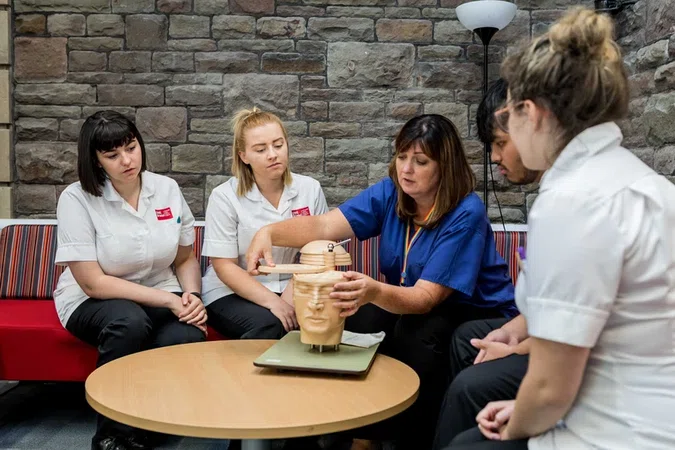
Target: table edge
point(252, 433)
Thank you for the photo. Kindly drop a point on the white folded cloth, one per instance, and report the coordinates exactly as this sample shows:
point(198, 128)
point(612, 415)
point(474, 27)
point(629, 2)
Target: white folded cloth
point(364, 340)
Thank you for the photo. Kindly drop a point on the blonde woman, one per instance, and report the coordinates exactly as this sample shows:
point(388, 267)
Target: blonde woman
point(262, 191)
point(598, 289)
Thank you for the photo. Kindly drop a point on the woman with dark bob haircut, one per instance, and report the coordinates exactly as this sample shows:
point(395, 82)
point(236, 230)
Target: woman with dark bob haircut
point(120, 231)
point(436, 252)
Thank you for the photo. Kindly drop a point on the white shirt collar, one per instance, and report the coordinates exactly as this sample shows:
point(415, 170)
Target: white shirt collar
point(588, 143)
point(110, 194)
point(290, 191)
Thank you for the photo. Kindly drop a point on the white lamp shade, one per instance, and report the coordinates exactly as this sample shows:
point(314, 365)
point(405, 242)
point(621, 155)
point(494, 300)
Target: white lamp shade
point(486, 13)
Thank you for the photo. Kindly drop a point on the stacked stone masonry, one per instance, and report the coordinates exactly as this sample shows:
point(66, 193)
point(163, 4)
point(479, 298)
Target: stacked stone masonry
point(343, 74)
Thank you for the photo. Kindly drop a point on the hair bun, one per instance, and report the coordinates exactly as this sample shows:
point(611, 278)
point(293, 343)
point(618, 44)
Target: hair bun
point(583, 33)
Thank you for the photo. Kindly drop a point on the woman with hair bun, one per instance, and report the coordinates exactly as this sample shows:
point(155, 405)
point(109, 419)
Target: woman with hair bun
point(598, 285)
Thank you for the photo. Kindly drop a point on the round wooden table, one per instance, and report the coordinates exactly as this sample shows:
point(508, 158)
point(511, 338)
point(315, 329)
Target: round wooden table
point(212, 390)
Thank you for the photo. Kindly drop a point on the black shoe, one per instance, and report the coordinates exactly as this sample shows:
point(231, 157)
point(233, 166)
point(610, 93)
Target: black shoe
point(138, 441)
point(108, 443)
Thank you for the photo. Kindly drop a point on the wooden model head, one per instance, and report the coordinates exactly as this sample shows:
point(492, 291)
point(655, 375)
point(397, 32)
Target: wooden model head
point(320, 322)
point(313, 281)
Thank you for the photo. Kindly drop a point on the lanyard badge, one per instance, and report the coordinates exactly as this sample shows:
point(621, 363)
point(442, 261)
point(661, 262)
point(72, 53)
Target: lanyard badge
point(409, 243)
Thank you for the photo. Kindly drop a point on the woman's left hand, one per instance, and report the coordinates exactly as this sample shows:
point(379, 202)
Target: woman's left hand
point(357, 290)
point(494, 418)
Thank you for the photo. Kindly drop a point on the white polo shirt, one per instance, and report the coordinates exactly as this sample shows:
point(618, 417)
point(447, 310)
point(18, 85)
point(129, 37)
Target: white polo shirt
point(138, 246)
point(601, 275)
point(232, 221)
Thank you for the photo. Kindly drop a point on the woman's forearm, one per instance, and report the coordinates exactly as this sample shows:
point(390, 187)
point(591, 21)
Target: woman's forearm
point(538, 408)
point(244, 285)
point(403, 300)
point(299, 231)
point(108, 287)
point(189, 275)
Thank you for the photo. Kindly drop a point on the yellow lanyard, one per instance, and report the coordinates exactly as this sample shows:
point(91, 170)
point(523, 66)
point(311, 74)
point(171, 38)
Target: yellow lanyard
point(409, 243)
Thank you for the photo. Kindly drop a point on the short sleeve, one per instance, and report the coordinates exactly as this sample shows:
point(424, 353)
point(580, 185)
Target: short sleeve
point(187, 224)
point(456, 258)
point(76, 236)
point(574, 263)
point(220, 233)
point(320, 205)
point(366, 212)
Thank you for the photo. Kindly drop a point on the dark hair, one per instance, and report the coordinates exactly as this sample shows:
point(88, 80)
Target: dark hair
point(102, 132)
point(494, 98)
point(438, 138)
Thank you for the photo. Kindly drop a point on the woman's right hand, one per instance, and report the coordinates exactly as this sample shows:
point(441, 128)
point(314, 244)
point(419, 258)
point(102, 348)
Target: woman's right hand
point(286, 314)
point(259, 248)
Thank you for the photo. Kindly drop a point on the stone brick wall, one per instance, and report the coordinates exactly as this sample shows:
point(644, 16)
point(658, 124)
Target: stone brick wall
point(343, 74)
point(5, 116)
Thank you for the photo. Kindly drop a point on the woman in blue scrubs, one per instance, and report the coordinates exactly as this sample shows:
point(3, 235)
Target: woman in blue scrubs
point(436, 251)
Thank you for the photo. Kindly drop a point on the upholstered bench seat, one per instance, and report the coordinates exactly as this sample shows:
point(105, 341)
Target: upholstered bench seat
point(34, 345)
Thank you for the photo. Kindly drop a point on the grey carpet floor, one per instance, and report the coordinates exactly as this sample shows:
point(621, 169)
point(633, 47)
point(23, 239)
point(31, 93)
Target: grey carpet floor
point(55, 416)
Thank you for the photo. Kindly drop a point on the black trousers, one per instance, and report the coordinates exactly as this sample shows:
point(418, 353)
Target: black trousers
point(473, 439)
point(422, 342)
point(119, 328)
point(237, 318)
point(474, 386)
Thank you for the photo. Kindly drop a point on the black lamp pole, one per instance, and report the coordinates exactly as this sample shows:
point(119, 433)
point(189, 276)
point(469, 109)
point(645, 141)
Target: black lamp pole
point(485, 34)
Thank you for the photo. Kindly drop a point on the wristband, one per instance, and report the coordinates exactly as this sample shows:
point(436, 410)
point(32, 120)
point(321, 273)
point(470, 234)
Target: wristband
point(197, 294)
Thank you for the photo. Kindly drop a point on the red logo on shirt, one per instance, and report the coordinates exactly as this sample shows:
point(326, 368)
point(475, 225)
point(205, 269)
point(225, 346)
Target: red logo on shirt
point(301, 212)
point(164, 214)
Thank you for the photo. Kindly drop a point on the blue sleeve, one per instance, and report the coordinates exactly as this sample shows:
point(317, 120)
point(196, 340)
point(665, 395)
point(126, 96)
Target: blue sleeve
point(366, 212)
point(457, 256)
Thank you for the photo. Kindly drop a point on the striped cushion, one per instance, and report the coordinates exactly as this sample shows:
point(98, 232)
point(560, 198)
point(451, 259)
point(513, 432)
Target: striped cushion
point(197, 247)
point(20, 244)
point(507, 243)
point(27, 268)
point(27, 252)
point(365, 257)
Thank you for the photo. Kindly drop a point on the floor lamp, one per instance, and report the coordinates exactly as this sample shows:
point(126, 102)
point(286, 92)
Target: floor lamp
point(485, 18)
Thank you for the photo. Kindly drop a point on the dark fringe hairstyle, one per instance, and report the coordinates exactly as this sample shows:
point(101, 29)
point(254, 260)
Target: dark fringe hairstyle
point(102, 132)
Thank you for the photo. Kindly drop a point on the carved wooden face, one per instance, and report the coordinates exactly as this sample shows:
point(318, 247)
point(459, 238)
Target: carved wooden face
point(314, 308)
point(317, 315)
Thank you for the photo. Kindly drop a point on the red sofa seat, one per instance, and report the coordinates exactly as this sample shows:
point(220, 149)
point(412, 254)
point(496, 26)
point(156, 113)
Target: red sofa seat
point(34, 345)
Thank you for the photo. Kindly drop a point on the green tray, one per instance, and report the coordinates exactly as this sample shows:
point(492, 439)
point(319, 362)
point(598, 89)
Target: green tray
point(291, 354)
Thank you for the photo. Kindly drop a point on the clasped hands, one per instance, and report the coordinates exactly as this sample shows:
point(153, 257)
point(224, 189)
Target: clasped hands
point(497, 344)
point(189, 309)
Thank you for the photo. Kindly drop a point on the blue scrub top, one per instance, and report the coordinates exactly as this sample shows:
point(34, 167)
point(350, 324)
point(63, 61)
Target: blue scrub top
point(460, 253)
